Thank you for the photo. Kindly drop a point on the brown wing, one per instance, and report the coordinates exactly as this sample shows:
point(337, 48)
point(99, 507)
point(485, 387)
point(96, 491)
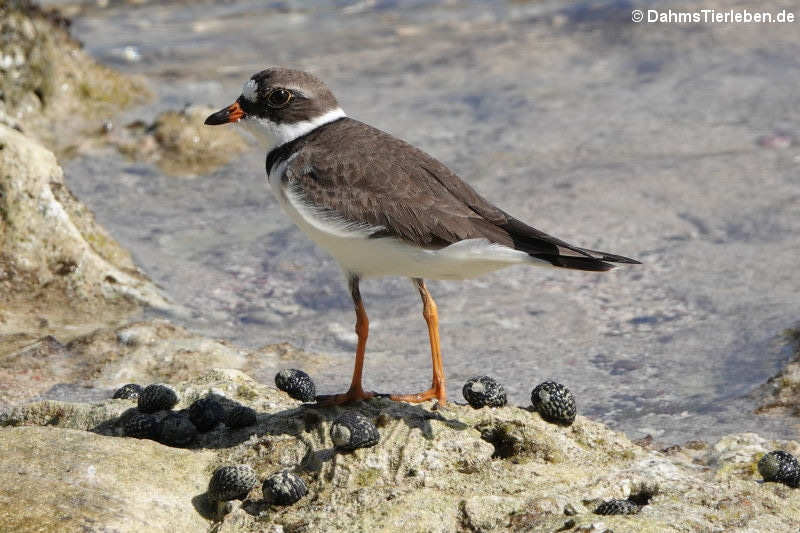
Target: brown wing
point(390, 188)
point(411, 195)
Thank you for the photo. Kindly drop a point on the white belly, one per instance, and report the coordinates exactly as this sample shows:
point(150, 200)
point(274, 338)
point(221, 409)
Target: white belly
point(367, 257)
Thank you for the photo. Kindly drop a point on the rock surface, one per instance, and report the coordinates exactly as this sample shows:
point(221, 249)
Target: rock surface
point(57, 265)
point(450, 468)
point(57, 479)
point(97, 363)
point(178, 142)
point(781, 394)
point(60, 272)
point(51, 89)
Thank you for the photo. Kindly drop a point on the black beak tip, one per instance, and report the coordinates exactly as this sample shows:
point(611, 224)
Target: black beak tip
point(232, 113)
point(215, 119)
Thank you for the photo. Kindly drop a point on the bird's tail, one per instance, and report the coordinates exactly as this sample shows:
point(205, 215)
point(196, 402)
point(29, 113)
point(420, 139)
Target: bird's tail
point(584, 259)
point(558, 253)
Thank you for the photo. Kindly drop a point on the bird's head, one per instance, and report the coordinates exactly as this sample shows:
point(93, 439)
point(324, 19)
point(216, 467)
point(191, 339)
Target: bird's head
point(278, 105)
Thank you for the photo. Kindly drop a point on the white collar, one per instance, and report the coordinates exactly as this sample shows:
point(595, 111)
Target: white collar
point(274, 135)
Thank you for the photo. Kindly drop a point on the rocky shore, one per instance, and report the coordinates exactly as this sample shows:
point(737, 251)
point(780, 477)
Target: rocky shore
point(71, 333)
point(61, 273)
point(435, 468)
point(58, 267)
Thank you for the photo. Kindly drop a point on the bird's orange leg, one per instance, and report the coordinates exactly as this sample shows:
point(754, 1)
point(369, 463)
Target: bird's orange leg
point(438, 389)
point(356, 392)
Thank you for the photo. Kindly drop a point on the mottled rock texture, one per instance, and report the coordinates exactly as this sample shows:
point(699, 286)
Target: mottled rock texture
point(179, 143)
point(434, 470)
point(781, 394)
point(57, 479)
point(50, 88)
point(57, 265)
point(144, 352)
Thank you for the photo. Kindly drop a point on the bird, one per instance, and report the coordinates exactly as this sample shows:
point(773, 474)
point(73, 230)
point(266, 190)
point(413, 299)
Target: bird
point(382, 207)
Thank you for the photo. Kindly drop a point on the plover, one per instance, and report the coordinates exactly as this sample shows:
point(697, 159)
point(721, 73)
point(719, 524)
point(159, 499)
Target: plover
point(382, 207)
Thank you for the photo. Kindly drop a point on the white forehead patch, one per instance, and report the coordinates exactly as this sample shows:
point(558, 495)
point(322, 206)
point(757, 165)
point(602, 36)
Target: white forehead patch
point(250, 90)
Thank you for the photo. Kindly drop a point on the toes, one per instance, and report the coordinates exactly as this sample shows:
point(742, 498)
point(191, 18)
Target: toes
point(325, 400)
point(430, 394)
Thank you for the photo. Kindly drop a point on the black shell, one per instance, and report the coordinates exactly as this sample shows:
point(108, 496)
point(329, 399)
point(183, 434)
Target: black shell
point(177, 430)
point(617, 507)
point(206, 413)
point(130, 391)
point(157, 397)
point(781, 467)
point(483, 391)
point(232, 482)
point(554, 402)
point(283, 488)
point(296, 384)
point(352, 430)
point(141, 426)
point(240, 416)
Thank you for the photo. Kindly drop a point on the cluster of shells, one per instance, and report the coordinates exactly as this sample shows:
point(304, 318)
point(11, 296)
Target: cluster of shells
point(154, 418)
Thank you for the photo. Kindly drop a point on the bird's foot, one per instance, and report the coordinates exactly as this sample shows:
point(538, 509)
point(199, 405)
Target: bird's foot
point(434, 393)
point(351, 396)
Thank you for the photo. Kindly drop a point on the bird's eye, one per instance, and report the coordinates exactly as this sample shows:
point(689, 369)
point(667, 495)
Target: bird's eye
point(279, 98)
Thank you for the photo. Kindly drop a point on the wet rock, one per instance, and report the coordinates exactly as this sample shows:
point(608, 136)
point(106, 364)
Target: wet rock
point(179, 143)
point(44, 358)
point(75, 274)
point(781, 394)
point(48, 83)
point(779, 140)
point(144, 352)
point(129, 54)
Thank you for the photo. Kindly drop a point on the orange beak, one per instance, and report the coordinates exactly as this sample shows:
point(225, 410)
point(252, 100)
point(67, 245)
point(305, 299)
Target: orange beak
point(232, 113)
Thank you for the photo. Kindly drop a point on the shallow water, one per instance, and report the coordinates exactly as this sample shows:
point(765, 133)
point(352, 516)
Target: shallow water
point(637, 139)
